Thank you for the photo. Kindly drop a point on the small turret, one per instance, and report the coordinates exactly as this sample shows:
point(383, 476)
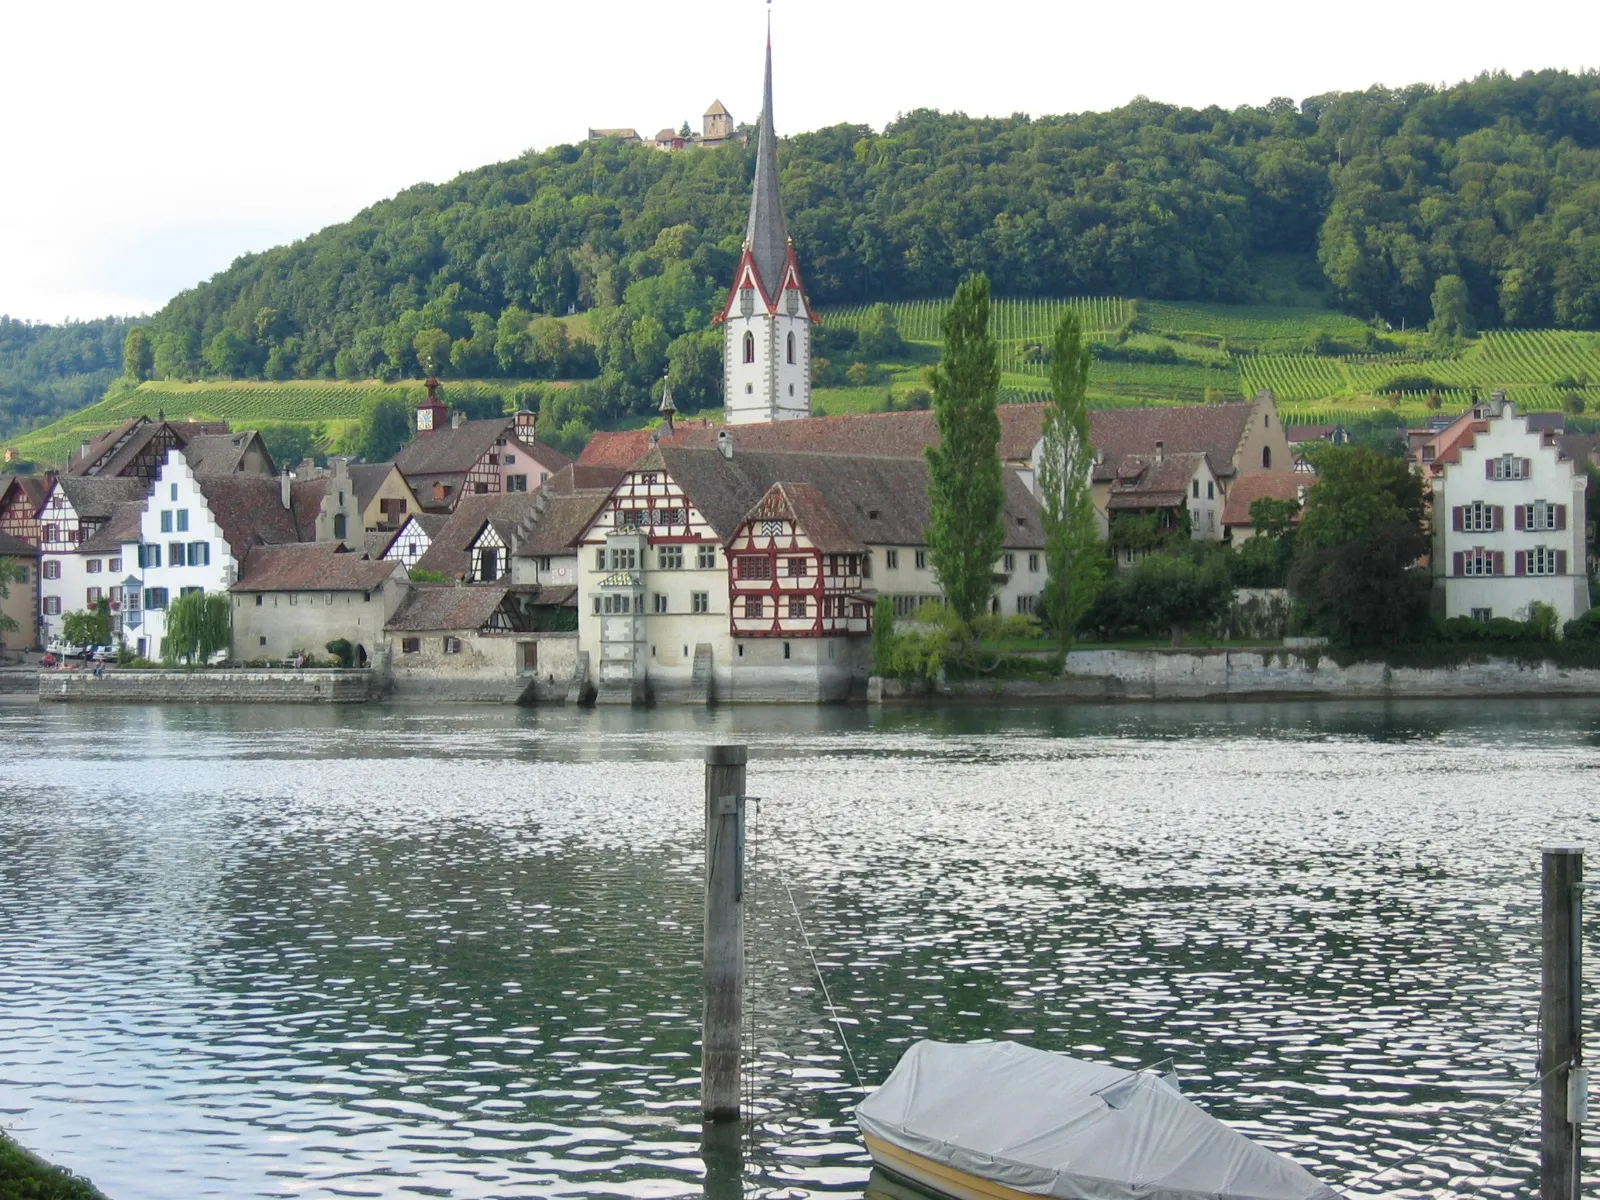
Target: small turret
point(431, 413)
point(668, 409)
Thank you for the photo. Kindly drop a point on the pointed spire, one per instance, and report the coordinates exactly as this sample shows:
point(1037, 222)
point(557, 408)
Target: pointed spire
point(767, 233)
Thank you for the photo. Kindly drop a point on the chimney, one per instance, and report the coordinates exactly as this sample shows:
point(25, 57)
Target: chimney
point(725, 443)
point(457, 419)
point(1161, 449)
point(83, 452)
point(284, 488)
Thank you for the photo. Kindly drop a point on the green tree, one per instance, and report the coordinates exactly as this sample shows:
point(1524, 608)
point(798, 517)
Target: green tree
point(11, 571)
point(1357, 490)
point(199, 624)
point(511, 341)
point(966, 490)
point(88, 627)
point(1174, 591)
point(547, 347)
point(878, 335)
point(138, 355)
point(228, 354)
point(883, 636)
point(432, 348)
point(1452, 309)
point(385, 427)
point(1074, 558)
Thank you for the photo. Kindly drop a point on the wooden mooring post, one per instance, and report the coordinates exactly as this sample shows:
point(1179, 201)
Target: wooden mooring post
point(723, 1011)
point(1563, 1097)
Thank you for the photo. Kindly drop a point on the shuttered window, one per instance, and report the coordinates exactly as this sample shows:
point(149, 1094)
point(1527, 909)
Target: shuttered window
point(1507, 466)
point(1541, 515)
point(1479, 562)
point(1477, 517)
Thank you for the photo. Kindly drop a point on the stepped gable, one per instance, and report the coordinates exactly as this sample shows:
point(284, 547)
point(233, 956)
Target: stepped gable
point(94, 497)
point(449, 552)
point(123, 525)
point(431, 607)
point(249, 510)
point(1263, 485)
point(878, 500)
point(1214, 430)
point(310, 567)
point(1145, 482)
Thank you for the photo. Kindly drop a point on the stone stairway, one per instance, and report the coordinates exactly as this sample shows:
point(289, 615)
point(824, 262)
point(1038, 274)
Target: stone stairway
point(701, 681)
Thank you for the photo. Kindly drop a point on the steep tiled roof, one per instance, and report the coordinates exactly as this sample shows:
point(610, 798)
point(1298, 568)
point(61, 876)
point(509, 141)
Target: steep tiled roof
point(449, 551)
point(250, 511)
point(122, 456)
point(803, 504)
point(1214, 430)
point(562, 519)
point(880, 500)
point(579, 476)
point(1580, 447)
point(15, 547)
point(366, 479)
point(1142, 481)
point(219, 453)
point(445, 606)
point(94, 496)
point(79, 461)
point(34, 489)
point(310, 567)
point(306, 495)
point(1264, 485)
point(450, 451)
point(122, 526)
point(1308, 433)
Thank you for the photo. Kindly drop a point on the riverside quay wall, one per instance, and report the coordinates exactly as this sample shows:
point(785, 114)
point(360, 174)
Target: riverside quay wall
point(1098, 676)
point(309, 686)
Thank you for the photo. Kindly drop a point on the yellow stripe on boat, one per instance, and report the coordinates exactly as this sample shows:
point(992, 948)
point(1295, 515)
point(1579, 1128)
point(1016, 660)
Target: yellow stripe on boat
point(939, 1176)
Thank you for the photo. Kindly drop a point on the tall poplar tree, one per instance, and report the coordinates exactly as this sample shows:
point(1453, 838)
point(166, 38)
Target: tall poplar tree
point(1074, 560)
point(966, 492)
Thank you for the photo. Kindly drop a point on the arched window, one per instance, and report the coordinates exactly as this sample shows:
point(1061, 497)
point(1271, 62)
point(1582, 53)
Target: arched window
point(1266, 455)
point(749, 347)
point(791, 347)
point(338, 526)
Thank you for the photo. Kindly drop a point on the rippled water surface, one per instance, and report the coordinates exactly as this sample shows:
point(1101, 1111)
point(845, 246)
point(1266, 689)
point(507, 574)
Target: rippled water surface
point(455, 952)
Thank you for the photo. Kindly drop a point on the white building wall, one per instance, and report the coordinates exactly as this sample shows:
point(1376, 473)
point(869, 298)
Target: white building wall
point(176, 491)
point(1551, 479)
point(771, 388)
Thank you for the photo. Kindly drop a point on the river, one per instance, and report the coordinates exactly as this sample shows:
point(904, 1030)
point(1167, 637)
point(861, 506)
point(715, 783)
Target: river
point(454, 952)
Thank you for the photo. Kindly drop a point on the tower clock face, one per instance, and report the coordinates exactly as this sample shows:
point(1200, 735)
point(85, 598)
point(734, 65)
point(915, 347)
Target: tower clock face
point(424, 418)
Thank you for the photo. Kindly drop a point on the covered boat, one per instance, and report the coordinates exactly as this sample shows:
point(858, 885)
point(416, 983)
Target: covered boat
point(1000, 1121)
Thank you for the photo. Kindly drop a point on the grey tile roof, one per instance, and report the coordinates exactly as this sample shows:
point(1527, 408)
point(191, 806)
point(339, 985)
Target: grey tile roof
point(310, 567)
point(95, 496)
point(767, 231)
point(449, 551)
point(123, 526)
point(447, 607)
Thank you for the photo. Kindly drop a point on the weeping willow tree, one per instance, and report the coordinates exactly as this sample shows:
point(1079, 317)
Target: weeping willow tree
point(198, 625)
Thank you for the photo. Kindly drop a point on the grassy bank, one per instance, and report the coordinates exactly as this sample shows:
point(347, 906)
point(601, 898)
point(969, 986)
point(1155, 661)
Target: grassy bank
point(26, 1176)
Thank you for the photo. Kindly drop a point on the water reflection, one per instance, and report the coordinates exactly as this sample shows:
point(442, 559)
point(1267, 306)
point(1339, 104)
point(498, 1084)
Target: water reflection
point(455, 952)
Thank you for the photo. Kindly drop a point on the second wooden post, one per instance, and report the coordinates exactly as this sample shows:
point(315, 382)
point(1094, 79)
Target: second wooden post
point(1561, 1022)
point(723, 1012)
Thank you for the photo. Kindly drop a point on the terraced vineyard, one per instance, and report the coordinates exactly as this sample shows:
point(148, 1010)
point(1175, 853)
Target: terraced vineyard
point(1009, 320)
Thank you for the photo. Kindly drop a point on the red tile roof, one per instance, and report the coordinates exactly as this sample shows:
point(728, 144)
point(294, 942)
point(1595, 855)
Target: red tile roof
point(1264, 485)
point(431, 607)
point(250, 510)
point(1143, 482)
point(310, 567)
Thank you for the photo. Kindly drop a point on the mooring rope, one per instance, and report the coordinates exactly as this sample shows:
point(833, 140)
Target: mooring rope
point(815, 966)
point(1451, 1133)
point(1493, 1166)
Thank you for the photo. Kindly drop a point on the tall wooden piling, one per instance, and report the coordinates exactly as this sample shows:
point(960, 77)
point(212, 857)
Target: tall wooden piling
point(723, 1012)
point(1560, 1017)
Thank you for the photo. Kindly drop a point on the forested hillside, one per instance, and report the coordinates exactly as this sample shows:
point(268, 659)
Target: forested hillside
point(1366, 198)
point(49, 370)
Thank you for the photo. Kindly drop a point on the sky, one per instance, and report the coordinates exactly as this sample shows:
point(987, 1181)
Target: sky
point(149, 145)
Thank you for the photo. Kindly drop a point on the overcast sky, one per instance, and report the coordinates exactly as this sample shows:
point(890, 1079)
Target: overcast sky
point(148, 145)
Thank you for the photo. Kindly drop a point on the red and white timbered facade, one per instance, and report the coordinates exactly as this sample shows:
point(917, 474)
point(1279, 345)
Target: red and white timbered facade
point(785, 581)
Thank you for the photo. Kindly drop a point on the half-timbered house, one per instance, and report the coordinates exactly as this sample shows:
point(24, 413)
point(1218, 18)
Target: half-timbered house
point(449, 460)
point(415, 538)
point(73, 512)
point(21, 498)
point(752, 575)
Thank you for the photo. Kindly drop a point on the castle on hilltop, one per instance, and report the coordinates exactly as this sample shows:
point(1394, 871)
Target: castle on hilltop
point(716, 129)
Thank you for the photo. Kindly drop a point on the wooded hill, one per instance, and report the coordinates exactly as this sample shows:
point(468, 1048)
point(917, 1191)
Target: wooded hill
point(1368, 197)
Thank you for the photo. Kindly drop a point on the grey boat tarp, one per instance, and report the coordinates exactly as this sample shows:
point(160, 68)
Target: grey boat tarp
point(1058, 1126)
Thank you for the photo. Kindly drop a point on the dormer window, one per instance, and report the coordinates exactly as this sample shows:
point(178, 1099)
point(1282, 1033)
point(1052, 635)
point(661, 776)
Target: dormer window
point(747, 304)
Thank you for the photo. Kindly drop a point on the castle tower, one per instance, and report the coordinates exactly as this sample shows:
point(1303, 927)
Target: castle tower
point(717, 123)
point(766, 323)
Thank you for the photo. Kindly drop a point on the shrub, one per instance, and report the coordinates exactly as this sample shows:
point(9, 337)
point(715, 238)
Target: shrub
point(1543, 623)
point(1585, 628)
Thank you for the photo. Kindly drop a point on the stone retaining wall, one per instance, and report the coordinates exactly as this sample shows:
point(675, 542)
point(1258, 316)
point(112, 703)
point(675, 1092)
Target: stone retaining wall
point(19, 681)
point(310, 686)
point(1108, 675)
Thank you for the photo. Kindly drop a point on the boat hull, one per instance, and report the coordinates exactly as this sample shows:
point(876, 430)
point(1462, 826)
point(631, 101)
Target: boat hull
point(936, 1177)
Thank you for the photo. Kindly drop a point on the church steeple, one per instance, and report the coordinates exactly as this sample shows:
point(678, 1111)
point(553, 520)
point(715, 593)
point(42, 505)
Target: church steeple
point(766, 322)
point(766, 234)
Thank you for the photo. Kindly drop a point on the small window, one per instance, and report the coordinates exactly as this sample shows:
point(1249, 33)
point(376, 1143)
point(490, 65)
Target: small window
point(1211, 489)
point(1194, 488)
point(166, 520)
point(755, 567)
point(658, 603)
point(294, 598)
point(339, 526)
point(92, 567)
point(259, 599)
point(755, 607)
point(1008, 563)
point(1483, 614)
point(1266, 458)
point(791, 359)
point(52, 606)
point(706, 558)
point(175, 555)
point(327, 597)
point(700, 602)
point(174, 492)
point(891, 560)
point(481, 488)
point(786, 649)
point(114, 565)
point(452, 645)
point(922, 560)
point(749, 347)
point(797, 607)
point(52, 568)
point(199, 554)
point(263, 640)
point(797, 568)
point(597, 606)
point(1033, 563)
point(599, 560)
point(183, 520)
point(670, 558)
point(411, 645)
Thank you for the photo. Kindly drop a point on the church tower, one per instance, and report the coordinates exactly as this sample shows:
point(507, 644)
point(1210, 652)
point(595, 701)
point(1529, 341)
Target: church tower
point(766, 323)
